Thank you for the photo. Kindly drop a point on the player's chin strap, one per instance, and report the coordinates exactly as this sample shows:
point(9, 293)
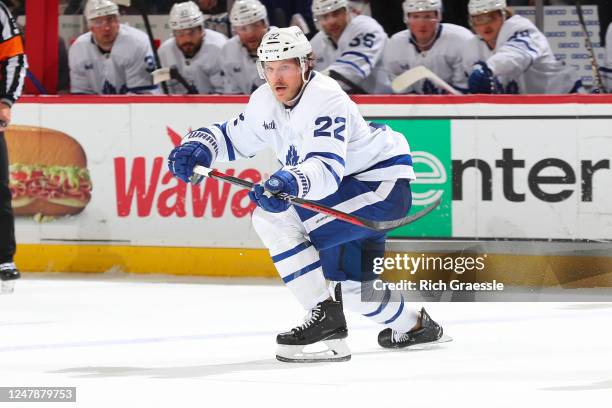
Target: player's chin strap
point(299, 94)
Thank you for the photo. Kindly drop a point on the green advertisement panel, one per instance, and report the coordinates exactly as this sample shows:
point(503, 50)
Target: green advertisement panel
point(430, 143)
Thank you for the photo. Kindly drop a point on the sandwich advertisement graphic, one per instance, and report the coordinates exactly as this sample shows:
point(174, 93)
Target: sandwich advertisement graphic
point(48, 173)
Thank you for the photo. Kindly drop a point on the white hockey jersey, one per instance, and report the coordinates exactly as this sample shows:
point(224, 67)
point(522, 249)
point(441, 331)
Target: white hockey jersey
point(239, 68)
point(322, 139)
point(444, 58)
point(203, 71)
point(523, 60)
point(126, 69)
point(358, 56)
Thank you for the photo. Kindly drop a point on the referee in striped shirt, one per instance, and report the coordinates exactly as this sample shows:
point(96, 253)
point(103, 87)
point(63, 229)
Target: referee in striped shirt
point(13, 66)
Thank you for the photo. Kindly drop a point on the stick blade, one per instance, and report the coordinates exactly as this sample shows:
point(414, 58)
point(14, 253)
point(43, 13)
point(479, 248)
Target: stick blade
point(408, 78)
point(392, 224)
point(161, 75)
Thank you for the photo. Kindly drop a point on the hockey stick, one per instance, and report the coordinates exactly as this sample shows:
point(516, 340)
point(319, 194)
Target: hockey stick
point(320, 208)
point(405, 80)
point(589, 46)
point(166, 74)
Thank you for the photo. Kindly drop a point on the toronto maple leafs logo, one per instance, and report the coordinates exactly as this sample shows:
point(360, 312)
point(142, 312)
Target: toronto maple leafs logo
point(292, 157)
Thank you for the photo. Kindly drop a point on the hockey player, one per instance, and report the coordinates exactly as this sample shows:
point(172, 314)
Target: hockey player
point(194, 51)
point(249, 20)
point(427, 42)
point(350, 48)
point(329, 154)
point(510, 55)
point(111, 58)
point(13, 67)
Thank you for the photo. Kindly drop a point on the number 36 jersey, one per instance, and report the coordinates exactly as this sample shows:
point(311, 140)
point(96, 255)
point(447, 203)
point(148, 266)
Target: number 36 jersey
point(357, 56)
point(320, 140)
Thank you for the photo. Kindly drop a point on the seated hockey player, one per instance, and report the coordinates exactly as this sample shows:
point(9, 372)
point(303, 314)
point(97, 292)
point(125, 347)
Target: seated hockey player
point(329, 154)
point(350, 48)
point(195, 52)
point(510, 55)
point(111, 58)
point(249, 20)
point(429, 43)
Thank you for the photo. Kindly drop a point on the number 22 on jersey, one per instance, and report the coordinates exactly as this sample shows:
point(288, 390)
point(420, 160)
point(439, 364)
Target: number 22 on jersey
point(325, 122)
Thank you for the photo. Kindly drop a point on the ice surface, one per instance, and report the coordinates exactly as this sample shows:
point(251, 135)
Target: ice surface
point(186, 342)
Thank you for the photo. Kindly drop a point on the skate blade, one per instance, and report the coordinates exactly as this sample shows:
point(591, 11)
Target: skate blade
point(424, 346)
point(7, 287)
point(337, 351)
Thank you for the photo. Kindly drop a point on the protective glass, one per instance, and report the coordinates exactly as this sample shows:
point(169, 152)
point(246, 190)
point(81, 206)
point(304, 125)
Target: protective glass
point(486, 18)
point(249, 28)
point(283, 70)
point(188, 32)
point(422, 17)
point(104, 21)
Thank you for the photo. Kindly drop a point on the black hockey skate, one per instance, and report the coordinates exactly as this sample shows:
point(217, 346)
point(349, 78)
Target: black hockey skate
point(429, 332)
point(324, 323)
point(8, 274)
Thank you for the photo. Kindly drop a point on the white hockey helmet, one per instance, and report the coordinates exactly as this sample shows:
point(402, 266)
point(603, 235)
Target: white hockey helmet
point(415, 6)
point(185, 15)
point(284, 43)
point(246, 12)
point(476, 7)
point(100, 8)
point(320, 7)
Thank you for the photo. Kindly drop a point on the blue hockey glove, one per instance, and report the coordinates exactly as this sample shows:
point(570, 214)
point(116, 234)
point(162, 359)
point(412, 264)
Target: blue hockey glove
point(280, 182)
point(483, 81)
point(184, 158)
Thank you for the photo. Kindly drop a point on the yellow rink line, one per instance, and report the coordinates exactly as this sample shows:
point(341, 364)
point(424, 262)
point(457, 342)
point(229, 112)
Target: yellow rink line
point(138, 259)
point(520, 270)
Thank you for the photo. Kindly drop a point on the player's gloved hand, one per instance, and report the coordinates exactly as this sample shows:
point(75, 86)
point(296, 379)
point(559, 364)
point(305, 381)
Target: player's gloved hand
point(280, 182)
point(184, 158)
point(483, 81)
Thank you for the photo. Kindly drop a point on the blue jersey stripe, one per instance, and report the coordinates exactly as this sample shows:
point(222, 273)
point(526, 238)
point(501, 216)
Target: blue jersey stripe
point(293, 251)
point(349, 63)
point(375, 125)
point(302, 271)
point(404, 159)
point(383, 304)
point(358, 54)
point(333, 173)
point(231, 154)
point(326, 155)
point(520, 40)
point(399, 312)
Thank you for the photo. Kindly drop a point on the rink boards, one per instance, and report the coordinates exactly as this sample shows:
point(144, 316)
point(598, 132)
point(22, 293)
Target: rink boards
point(519, 168)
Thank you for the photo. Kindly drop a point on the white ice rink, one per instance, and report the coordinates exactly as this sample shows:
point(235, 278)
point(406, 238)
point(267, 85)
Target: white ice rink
point(169, 342)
